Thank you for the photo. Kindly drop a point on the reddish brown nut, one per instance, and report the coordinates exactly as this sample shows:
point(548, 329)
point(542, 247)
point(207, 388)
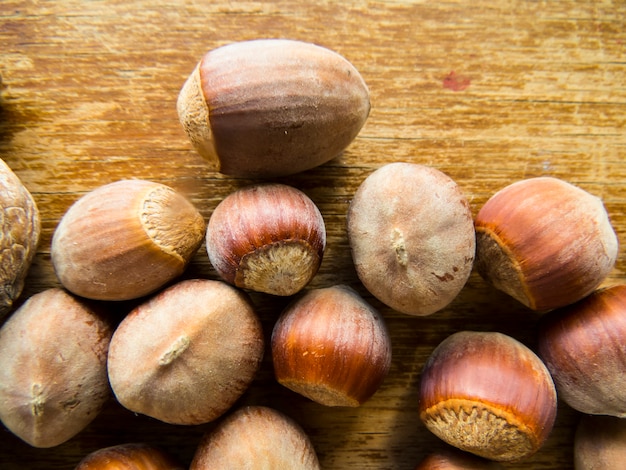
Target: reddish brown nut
point(584, 347)
point(272, 107)
point(600, 443)
point(545, 242)
point(130, 456)
point(187, 354)
point(267, 238)
point(332, 347)
point(20, 227)
point(456, 460)
point(259, 435)
point(412, 237)
point(53, 378)
point(488, 394)
point(125, 240)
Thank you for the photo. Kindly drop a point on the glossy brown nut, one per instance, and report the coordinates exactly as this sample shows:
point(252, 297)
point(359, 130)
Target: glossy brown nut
point(272, 107)
point(545, 242)
point(20, 228)
point(53, 377)
point(412, 237)
point(130, 456)
point(332, 347)
point(187, 354)
point(600, 443)
point(488, 394)
point(125, 240)
point(259, 435)
point(452, 459)
point(267, 238)
point(584, 347)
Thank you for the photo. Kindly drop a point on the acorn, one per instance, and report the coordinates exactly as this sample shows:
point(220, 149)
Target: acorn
point(488, 394)
point(272, 107)
point(545, 242)
point(332, 347)
point(584, 347)
point(267, 238)
point(125, 240)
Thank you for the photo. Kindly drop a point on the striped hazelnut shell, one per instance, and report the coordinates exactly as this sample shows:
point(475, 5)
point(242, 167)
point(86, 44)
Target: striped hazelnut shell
point(272, 107)
point(129, 456)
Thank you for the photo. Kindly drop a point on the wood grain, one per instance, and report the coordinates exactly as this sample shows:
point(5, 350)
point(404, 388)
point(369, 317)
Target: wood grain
point(487, 91)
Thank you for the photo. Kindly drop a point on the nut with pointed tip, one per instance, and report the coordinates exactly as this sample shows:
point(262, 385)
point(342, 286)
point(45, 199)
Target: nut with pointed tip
point(412, 237)
point(453, 459)
point(600, 443)
point(259, 435)
point(20, 228)
point(583, 346)
point(125, 240)
point(488, 394)
point(332, 347)
point(545, 242)
point(187, 354)
point(267, 238)
point(272, 107)
point(130, 456)
point(53, 376)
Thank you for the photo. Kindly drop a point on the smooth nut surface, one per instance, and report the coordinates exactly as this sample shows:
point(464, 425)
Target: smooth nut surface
point(488, 394)
point(412, 237)
point(545, 242)
point(20, 228)
point(125, 240)
point(268, 238)
point(130, 456)
point(600, 443)
point(187, 354)
point(451, 459)
point(256, 437)
point(331, 346)
point(272, 107)
point(53, 377)
point(584, 347)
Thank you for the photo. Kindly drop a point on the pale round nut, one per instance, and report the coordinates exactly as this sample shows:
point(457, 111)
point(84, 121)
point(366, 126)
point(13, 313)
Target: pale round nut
point(412, 237)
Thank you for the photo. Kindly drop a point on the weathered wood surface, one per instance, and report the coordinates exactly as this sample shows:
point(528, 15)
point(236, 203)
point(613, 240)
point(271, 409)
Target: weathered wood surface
point(487, 91)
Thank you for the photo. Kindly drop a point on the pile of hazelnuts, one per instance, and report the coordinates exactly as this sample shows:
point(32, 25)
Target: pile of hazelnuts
point(270, 108)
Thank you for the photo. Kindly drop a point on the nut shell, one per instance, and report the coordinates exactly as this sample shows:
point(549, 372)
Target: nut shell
point(488, 394)
point(259, 435)
point(130, 456)
point(187, 354)
point(125, 240)
point(600, 443)
point(20, 228)
point(53, 377)
point(332, 347)
point(584, 347)
point(412, 237)
point(545, 242)
point(268, 238)
point(456, 460)
point(272, 107)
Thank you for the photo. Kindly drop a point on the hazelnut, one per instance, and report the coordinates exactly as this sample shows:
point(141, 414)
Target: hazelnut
point(125, 240)
point(488, 394)
point(187, 354)
point(256, 435)
point(267, 238)
point(130, 456)
point(332, 347)
point(583, 346)
point(20, 228)
point(412, 237)
point(53, 378)
point(456, 460)
point(272, 107)
point(600, 443)
point(545, 242)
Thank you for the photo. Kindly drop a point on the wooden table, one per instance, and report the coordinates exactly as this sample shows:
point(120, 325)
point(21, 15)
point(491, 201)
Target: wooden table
point(487, 91)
